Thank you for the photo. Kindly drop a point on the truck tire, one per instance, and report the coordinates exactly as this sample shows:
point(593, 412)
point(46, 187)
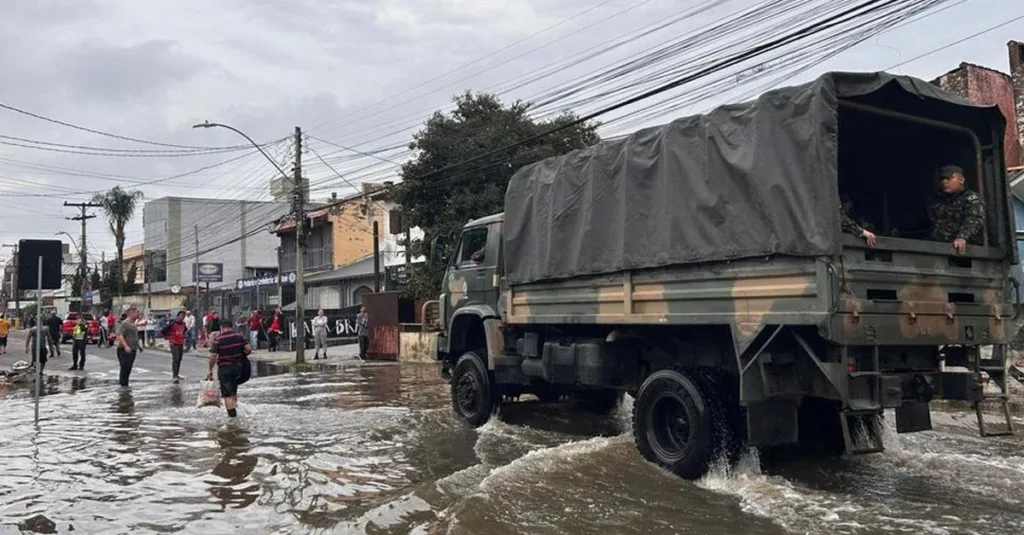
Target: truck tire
point(473, 392)
point(673, 424)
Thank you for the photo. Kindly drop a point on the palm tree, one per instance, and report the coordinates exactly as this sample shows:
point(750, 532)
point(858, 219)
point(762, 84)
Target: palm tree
point(119, 206)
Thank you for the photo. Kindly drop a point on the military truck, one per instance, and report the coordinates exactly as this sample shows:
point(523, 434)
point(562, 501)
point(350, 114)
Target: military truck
point(701, 267)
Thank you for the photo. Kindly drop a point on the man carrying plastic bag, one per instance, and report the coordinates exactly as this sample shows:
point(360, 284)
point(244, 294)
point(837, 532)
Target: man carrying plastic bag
point(209, 396)
point(230, 353)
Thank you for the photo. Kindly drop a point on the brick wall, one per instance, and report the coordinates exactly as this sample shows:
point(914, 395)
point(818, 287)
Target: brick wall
point(987, 86)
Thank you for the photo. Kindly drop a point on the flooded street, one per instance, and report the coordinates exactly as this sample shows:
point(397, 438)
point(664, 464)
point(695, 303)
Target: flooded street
point(376, 450)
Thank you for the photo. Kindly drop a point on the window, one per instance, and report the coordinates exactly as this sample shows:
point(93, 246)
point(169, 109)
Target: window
point(357, 296)
point(474, 246)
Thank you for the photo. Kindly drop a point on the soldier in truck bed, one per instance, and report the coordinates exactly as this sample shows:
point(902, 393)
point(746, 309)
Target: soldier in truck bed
point(957, 213)
point(850, 225)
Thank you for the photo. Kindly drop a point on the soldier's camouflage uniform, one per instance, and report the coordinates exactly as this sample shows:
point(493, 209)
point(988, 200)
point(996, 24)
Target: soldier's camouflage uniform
point(848, 224)
point(960, 215)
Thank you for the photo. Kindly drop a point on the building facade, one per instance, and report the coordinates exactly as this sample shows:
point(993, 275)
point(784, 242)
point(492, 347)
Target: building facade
point(234, 233)
point(984, 85)
point(338, 260)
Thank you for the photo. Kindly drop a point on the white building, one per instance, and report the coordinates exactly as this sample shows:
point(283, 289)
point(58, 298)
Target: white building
point(229, 232)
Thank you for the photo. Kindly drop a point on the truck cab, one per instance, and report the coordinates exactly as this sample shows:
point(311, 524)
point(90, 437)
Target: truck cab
point(471, 289)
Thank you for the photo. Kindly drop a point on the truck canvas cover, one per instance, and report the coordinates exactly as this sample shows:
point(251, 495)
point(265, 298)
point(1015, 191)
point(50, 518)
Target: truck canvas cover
point(745, 180)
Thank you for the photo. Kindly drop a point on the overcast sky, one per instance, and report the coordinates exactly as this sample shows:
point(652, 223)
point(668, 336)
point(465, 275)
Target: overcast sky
point(360, 74)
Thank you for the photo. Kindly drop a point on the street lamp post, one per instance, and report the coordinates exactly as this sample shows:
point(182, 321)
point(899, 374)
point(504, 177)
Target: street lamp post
point(298, 211)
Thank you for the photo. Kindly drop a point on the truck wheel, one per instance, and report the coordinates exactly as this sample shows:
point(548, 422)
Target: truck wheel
point(673, 424)
point(473, 395)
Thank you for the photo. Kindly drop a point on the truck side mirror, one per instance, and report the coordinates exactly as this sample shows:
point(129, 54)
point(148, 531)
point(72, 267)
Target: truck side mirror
point(433, 252)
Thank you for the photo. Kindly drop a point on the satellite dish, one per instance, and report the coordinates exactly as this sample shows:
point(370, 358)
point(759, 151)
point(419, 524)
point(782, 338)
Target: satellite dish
point(175, 289)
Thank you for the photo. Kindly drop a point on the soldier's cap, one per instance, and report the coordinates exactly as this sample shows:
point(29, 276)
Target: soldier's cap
point(947, 171)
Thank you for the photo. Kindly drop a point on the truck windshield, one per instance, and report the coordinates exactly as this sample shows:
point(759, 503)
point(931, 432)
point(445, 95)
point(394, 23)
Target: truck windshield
point(474, 246)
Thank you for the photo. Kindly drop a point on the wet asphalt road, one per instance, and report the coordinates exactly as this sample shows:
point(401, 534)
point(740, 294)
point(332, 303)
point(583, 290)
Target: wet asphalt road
point(101, 366)
point(374, 449)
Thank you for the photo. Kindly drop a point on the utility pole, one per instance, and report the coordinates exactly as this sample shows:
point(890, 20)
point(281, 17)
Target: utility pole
point(149, 282)
point(300, 237)
point(14, 281)
point(195, 277)
point(83, 265)
point(376, 257)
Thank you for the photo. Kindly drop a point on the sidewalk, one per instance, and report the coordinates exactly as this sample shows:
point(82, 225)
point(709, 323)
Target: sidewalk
point(336, 354)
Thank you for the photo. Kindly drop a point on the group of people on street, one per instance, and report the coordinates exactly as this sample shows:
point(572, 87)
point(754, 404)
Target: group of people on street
point(229, 348)
point(957, 214)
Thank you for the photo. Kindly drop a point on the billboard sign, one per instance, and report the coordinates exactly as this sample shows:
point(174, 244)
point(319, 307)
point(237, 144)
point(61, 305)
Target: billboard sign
point(208, 272)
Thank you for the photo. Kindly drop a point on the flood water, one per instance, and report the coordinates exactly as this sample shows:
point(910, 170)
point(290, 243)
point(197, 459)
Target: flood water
point(376, 450)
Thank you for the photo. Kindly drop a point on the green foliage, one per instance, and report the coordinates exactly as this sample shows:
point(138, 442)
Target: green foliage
point(449, 197)
point(76, 285)
point(96, 282)
point(119, 206)
point(130, 287)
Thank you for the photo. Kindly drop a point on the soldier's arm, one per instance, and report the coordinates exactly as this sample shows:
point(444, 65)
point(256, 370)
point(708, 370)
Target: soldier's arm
point(974, 219)
point(849, 225)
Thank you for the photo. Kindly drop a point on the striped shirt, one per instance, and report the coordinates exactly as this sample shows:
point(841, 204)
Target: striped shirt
point(230, 349)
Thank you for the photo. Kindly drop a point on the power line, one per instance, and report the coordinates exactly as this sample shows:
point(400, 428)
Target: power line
point(108, 134)
point(490, 55)
point(85, 150)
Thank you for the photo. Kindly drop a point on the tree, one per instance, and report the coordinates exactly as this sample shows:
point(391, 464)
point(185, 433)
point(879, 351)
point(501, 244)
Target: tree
point(130, 287)
point(119, 206)
point(439, 193)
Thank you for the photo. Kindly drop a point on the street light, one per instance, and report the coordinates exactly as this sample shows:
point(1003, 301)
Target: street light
point(298, 211)
point(82, 282)
point(208, 124)
point(70, 237)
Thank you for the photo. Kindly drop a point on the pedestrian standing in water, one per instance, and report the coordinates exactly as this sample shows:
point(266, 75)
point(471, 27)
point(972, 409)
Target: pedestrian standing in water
point(363, 332)
point(228, 353)
point(127, 344)
point(54, 324)
point(78, 342)
point(174, 333)
point(320, 334)
point(32, 344)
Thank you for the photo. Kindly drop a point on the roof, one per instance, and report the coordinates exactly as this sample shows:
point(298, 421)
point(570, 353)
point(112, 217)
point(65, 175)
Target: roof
point(486, 220)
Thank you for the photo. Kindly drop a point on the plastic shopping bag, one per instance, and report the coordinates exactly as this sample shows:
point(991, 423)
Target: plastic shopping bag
point(209, 395)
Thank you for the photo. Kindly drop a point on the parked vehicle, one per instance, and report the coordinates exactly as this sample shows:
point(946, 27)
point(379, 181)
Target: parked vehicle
point(701, 267)
point(92, 335)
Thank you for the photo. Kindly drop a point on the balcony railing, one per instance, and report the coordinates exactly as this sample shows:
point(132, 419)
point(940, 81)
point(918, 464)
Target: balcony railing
point(314, 259)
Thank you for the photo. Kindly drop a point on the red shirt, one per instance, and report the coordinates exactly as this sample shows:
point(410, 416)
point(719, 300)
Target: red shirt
point(176, 335)
point(276, 324)
point(255, 322)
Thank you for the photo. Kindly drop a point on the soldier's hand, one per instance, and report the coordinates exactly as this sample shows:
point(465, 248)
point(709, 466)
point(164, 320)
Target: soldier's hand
point(869, 237)
point(960, 245)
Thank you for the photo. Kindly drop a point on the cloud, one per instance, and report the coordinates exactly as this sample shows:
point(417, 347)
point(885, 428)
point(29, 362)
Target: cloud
point(362, 73)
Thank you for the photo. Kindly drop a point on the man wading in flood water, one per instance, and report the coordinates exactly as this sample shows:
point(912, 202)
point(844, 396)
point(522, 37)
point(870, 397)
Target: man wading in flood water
point(127, 344)
point(230, 353)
